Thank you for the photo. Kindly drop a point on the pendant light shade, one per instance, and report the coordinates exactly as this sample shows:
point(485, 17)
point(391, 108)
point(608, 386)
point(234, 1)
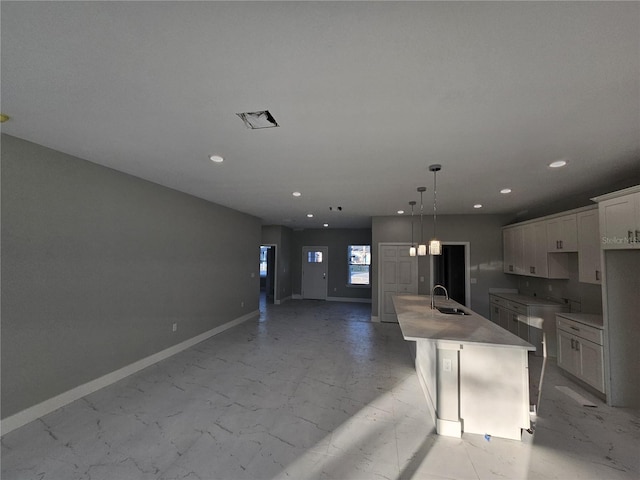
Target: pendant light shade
point(412, 249)
point(435, 247)
point(422, 248)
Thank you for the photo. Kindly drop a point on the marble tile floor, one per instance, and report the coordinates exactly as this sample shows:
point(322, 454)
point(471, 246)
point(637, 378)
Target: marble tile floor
point(310, 390)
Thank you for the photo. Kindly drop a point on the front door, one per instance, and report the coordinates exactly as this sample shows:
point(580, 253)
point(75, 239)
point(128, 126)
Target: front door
point(314, 272)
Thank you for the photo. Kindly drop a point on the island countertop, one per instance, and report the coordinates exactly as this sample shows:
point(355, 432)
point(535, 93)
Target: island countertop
point(418, 321)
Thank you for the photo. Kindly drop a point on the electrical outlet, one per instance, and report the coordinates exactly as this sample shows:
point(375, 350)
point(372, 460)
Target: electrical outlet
point(175, 327)
point(446, 364)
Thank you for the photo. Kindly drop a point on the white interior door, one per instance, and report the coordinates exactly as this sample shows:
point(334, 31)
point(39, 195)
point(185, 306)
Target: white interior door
point(314, 272)
point(398, 275)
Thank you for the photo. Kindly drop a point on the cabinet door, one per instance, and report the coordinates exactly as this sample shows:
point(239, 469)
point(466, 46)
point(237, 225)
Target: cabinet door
point(589, 269)
point(618, 222)
point(513, 260)
point(512, 325)
point(591, 360)
point(567, 355)
point(495, 314)
point(505, 318)
point(562, 234)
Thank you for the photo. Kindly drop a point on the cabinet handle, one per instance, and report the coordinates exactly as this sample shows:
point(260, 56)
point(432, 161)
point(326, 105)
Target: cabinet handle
point(557, 244)
point(630, 236)
point(597, 274)
point(575, 328)
point(637, 236)
point(572, 344)
point(560, 244)
point(532, 269)
point(577, 346)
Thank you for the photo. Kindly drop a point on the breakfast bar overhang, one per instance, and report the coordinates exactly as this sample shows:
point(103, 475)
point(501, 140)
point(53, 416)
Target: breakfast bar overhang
point(474, 374)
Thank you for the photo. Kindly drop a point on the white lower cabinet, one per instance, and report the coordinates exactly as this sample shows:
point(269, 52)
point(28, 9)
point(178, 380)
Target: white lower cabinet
point(580, 350)
point(530, 318)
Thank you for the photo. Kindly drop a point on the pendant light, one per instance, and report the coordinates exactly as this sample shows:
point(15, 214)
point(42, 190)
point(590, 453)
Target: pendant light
point(435, 247)
point(412, 249)
point(422, 248)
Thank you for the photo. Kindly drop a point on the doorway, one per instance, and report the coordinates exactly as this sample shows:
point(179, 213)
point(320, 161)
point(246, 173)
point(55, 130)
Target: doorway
point(452, 270)
point(268, 272)
point(315, 261)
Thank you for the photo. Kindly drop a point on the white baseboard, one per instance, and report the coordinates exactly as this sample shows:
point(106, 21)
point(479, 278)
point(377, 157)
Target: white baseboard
point(282, 300)
point(348, 299)
point(297, 296)
point(33, 413)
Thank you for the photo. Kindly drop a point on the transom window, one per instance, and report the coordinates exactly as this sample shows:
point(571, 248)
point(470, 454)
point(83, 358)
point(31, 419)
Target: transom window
point(359, 258)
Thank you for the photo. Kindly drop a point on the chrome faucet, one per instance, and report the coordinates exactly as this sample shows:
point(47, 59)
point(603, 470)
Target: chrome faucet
point(434, 290)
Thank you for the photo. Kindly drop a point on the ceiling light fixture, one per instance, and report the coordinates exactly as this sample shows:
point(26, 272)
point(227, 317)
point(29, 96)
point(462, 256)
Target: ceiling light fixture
point(412, 249)
point(400, 212)
point(325, 225)
point(504, 191)
point(296, 194)
point(422, 248)
point(558, 164)
point(256, 120)
point(310, 215)
point(216, 158)
point(435, 247)
point(477, 205)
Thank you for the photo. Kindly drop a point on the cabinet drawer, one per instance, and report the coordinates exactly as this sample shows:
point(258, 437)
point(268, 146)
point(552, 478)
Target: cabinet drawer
point(516, 307)
point(497, 300)
point(580, 330)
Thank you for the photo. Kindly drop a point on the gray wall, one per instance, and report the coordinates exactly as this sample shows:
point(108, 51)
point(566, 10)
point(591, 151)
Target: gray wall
point(97, 265)
point(484, 234)
point(337, 240)
point(583, 297)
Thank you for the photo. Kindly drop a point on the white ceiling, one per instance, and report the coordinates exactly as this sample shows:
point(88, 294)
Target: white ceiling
point(367, 95)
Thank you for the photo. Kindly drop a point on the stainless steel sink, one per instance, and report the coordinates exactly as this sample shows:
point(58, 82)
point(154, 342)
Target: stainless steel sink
point(452, 311)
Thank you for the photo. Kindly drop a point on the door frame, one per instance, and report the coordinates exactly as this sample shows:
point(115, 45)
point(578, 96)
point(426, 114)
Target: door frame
point(326, 262)
point(467, 270)
point(276, 301)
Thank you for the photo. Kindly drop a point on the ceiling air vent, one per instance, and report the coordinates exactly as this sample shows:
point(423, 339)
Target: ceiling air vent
point(255, 120)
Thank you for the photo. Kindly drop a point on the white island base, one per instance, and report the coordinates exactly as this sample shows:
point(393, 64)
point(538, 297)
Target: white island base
point(476, 389)
point(474, 374)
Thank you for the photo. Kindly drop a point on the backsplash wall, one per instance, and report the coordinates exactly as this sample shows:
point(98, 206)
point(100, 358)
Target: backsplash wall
point(583, 297)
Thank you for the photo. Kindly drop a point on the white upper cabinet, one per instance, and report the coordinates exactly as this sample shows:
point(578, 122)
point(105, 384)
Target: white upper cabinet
point(589, 267)
point(513, 250)
point(562, 234)
point(620, 222)
point(535, 249)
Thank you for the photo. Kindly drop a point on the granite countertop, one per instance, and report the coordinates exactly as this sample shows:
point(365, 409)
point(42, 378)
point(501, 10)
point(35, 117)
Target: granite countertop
point(526, 299)
point(590, 319)
point(418, 321)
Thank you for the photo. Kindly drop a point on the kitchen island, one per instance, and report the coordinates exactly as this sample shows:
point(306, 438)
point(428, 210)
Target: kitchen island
point(474, 374)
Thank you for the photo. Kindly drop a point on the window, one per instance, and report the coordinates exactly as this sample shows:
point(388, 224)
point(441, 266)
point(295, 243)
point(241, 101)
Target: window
point(314, 257)
point(359, 257)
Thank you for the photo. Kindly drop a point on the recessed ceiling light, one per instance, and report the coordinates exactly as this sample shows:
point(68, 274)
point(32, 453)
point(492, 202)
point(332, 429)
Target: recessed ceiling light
point(310, 215)
point(216, 158)
point(558, 164)
point(325, 225)
point(477, 205)
point(505, 190)
point(400, 212)
point(296, 194)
